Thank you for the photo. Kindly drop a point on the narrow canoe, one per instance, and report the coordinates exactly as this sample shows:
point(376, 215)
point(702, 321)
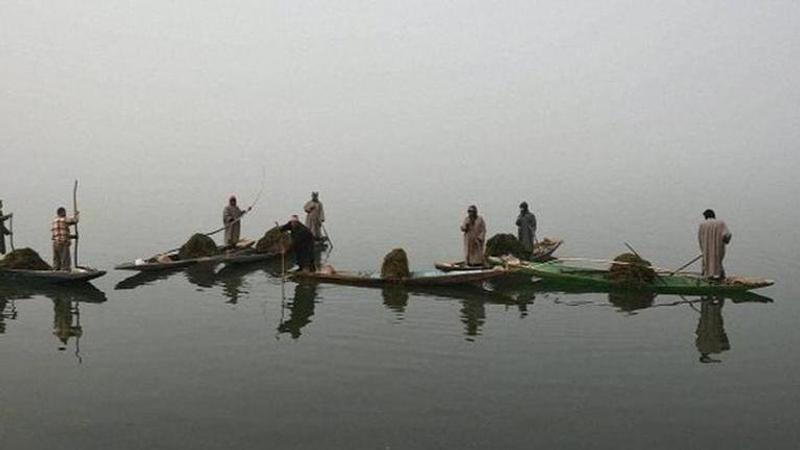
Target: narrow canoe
point(79, 275)
point(154, 266)
point(542, 251)
point(681, 283)
point(432, 278)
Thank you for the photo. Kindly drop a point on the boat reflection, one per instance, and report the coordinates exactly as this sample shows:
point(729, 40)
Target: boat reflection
point(144, 279)
point(66, 309)
point(301, 309)
point(711, 340)
point(472, 298)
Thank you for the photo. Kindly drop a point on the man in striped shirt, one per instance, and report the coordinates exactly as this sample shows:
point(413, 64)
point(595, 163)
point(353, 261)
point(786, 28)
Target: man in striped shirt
point(61, 239)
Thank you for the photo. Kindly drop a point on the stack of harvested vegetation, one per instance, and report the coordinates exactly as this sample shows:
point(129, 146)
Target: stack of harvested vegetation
point(503, 244)
point(198, 246)
point(629, 269)
point(395, 265)
point(24, 259)
point(274, 241)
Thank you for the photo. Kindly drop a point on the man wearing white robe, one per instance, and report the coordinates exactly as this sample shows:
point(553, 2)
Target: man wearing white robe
point(474, 229)
point(713, 236)
point(232, 219)
point(315, 215)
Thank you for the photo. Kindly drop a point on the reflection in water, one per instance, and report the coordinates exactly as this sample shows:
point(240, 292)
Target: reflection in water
point(145, 278)
point(8, 311)
point(711, 336)
point(395, 298)
point(301, 309)
point(66, 308)
point(201, 275)
point(473, 316)
point(67, 323)
point(631, 301)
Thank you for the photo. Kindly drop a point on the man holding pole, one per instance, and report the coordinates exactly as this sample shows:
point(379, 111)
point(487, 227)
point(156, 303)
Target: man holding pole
point(232, 218)
point(4, 231)
point(61, 239)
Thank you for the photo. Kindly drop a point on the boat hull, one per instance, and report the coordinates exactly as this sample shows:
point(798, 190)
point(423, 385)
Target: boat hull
point(50, 276)
point(416, 280)
point(556, 272)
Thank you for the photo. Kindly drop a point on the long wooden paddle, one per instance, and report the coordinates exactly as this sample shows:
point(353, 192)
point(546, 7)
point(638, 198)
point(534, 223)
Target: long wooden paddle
point(75, 213)
point(696, 258)
point(11, 225)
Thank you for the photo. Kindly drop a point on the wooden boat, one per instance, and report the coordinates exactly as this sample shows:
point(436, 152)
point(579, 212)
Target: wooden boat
point(678, 283)
point(170, 261)
point(78, 275)
point(542, 251)
point(430, 278)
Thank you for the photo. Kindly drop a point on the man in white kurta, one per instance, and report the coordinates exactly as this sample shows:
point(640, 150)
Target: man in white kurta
point(474, 229)
point(232, 218)
point(315, 215)
point(713, 236)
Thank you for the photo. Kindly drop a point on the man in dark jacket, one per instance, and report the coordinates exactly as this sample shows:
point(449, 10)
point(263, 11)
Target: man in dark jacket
point(302, 242)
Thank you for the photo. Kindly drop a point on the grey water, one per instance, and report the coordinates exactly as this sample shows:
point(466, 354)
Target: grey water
point(618, 122)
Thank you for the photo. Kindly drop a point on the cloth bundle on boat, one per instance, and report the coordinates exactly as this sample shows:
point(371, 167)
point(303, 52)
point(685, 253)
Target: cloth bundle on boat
point(24, 259)
point(274, 241)
point(503, 244)
point(198, 246)
point(395, 265)
point(630, 269)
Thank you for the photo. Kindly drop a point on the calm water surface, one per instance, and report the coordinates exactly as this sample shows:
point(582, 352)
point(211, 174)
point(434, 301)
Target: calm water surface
point(620, 122)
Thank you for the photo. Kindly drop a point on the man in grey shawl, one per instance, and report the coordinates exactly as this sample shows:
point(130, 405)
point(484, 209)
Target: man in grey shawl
point(713, 235)
point(474, 229)
point(526, 227)
point(315, 215)
point(232, 218)
point(3, 230)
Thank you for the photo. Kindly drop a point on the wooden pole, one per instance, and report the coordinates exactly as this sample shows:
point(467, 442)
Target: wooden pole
point(75, 213)
point(687, 264)
point(11, 225)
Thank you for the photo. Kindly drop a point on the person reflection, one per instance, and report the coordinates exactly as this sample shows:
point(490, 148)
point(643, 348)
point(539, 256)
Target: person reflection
point(232, 288)
point(522, 299)
point(473, 316)
point(66, 321)
point(711, 336)
point(395, 298)
point(7, 311)
point(301, 309)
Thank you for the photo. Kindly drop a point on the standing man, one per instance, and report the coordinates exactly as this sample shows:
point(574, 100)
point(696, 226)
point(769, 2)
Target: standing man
point(303, 243)
point(3, 230)
point(232, 218)
point(62, 239)
point(713, 235)
point(315, 215)
point(474, 229)
point(526, 227)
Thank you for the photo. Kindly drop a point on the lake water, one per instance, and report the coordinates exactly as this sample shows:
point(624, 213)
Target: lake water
point(618, 124)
